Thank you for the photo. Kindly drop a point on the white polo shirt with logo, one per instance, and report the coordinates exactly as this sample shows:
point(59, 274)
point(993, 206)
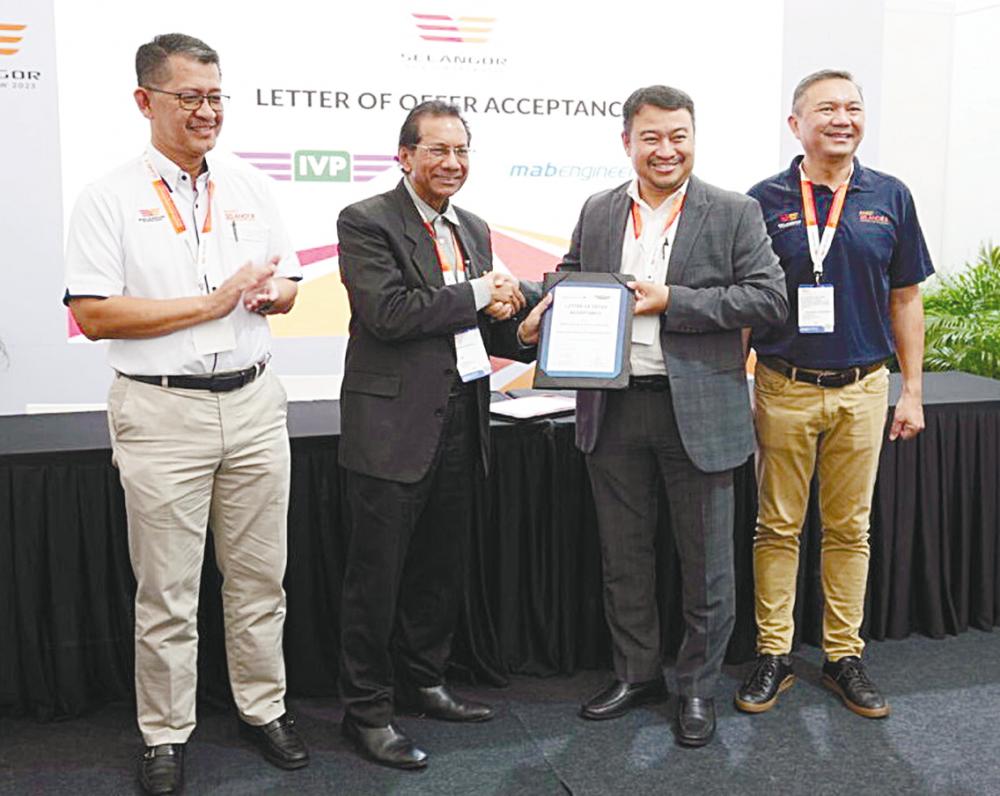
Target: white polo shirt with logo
point(122, 242)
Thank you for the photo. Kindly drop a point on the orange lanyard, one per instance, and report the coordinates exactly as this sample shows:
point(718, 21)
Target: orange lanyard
point(447, 263)
point(671, 217)
point(819, 246)
point(170, 208)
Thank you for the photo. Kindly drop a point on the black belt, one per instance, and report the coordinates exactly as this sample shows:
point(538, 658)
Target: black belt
point(216, 382)
point(821, 378)
point(653, 383)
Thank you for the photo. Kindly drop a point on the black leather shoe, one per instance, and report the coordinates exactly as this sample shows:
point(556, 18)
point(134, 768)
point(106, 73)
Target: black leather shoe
point(438, 702)
point(161, 769)
point(695, 721)
point(848, 679)
point(619, 698)
point(771, 674)
point(384, 745)
point(278, 741)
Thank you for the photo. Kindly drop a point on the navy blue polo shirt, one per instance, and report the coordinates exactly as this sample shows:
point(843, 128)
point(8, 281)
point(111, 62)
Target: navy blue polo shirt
point(878, 246)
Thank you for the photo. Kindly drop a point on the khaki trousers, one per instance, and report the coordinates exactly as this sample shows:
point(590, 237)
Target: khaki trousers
point(189, 459)
point(801, 427)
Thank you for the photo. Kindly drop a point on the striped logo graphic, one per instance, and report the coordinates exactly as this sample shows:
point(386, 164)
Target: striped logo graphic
point(457, 30)
point(9, 36)
point(318, 165)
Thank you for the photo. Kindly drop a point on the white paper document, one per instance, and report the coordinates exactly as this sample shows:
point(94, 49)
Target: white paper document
point(533, 406)
point(583, 334)
point(816, 309)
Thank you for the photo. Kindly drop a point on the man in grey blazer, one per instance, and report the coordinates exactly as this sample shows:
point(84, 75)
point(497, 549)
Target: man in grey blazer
point(425, 306)
point(704, 270)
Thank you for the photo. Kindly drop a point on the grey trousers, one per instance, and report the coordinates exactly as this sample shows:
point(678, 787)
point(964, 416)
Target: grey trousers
point(639, 445)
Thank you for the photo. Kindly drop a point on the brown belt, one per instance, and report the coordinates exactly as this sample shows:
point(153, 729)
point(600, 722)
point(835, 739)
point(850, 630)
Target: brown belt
point(821, 378)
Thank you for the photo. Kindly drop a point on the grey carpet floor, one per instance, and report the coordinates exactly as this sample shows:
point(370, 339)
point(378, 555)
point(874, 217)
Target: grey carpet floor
point(943, 738)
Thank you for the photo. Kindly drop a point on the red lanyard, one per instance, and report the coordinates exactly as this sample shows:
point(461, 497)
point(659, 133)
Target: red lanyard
point(170, 208)
point(447, 263)
point(819, 246)
point(671, 216)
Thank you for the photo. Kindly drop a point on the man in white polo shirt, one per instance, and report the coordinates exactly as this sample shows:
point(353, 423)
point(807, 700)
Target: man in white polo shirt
point(176, 260)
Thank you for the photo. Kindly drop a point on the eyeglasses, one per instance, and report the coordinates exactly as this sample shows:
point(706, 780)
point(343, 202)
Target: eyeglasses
point(192, 102)
point(440, 152)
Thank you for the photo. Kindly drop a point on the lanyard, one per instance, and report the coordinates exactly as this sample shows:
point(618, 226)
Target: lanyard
point(163, 192)
point(819, 246)
point(447, 263)
point(671, 217)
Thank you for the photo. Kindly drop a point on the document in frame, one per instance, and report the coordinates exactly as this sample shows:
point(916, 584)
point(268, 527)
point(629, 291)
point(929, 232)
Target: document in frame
point(585, 335)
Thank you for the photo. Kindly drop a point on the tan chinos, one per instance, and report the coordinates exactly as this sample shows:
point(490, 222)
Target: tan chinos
point(190, 459)
point(837, 431)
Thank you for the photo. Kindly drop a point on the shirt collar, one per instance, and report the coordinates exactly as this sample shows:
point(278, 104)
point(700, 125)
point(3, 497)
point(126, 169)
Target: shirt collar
point(428, 213)
point(633, 192)
point(169, 171)
point(861, 179)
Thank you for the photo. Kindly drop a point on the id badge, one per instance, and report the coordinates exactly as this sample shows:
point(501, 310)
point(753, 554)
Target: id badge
point(815, 309)
point(214, 337)
point(471, 358)
point(644, 329)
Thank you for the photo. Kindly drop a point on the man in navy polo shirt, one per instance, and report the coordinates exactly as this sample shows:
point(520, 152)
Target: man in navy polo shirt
point(854, 258)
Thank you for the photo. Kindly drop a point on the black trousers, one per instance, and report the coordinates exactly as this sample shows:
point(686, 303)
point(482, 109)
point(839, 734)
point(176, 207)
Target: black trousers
point(639, 445)
point(405, 570)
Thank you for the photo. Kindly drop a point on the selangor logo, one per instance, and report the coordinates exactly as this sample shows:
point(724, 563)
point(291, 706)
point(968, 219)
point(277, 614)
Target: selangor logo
point(319, 165)
point(7, 38)
point(457, 30)
point(873, 217)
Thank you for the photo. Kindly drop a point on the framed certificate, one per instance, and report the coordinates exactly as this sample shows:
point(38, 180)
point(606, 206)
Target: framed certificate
point(585, 338)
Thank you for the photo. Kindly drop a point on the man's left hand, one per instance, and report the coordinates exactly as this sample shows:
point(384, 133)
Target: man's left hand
point(908, 419)
point(261, 301)
point(650, 298)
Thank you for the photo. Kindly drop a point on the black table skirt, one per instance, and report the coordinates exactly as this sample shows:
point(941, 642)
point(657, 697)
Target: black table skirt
point(533, 604)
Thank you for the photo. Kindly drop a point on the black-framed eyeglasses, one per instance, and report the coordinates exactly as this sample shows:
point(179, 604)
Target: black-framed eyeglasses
point(440, 151)
point(192, 102)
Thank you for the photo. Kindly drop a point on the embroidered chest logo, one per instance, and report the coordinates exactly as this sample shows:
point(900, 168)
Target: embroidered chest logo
point(793, 219)
point(147, 214)
point(236, 215)
point(873, 217)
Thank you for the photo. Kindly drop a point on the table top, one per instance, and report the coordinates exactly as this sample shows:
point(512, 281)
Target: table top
point(85, 431)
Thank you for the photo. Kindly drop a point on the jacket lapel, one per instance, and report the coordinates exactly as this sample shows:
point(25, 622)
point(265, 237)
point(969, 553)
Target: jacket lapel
point(421, 246)
point(617, 219)
point(470, 254)
point(696, 207)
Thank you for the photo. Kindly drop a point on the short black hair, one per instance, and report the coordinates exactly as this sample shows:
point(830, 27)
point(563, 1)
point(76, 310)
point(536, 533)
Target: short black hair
point(818, 77)
point(409, 133)
point(151, 58)
point(665, 97)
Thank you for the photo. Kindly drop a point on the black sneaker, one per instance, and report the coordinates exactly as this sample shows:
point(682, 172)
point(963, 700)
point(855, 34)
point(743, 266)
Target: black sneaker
point(848, 678)
point(771, 674)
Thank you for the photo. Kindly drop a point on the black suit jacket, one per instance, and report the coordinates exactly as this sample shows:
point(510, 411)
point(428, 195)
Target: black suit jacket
point(400, 361)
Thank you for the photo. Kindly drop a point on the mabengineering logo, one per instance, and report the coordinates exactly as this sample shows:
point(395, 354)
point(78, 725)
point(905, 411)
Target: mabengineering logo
point(319, 165)
point(458, 30)
point(8, 36)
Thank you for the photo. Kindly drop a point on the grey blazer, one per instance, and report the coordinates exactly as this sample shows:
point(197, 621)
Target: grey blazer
point(723, 276)
point(400, 361)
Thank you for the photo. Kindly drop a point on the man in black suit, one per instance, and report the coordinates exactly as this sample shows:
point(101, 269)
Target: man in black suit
point(425, 308)
point(705, 270)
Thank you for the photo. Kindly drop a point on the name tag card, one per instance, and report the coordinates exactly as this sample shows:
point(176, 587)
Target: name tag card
point(214, 337)
point(815, 309)
point(471, 358)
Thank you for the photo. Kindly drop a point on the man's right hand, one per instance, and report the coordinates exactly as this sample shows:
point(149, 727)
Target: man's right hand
point(506, 289)
point(250, 277)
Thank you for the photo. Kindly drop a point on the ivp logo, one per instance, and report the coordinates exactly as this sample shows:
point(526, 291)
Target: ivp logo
point(318, 165)
point(8, 37)
point(315, 165)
